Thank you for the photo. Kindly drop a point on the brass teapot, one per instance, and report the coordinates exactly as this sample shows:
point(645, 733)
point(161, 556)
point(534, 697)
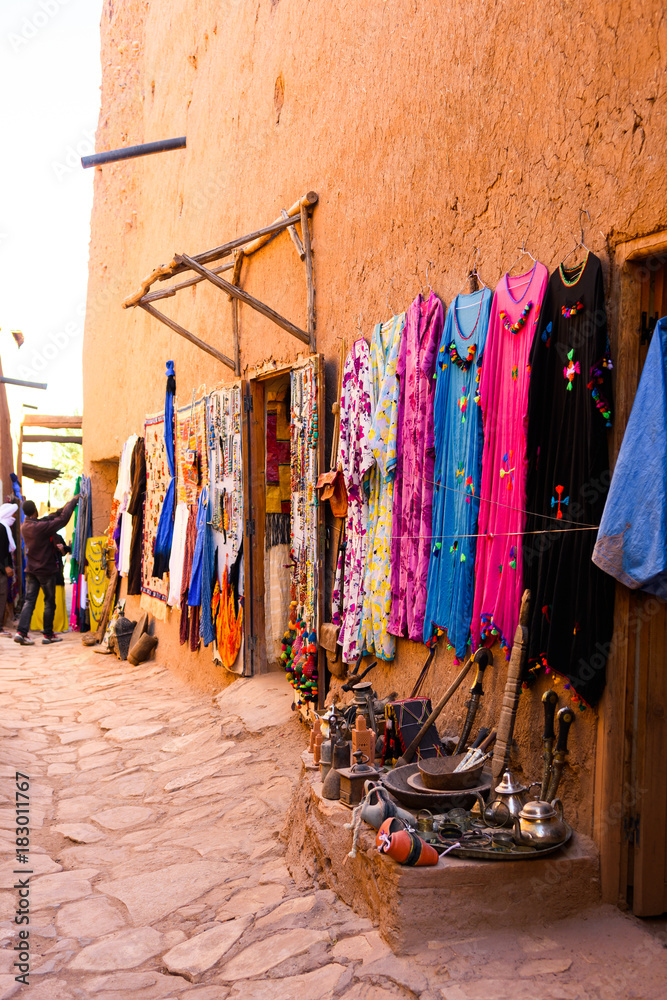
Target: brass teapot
point(540, 824)
point(511, 797)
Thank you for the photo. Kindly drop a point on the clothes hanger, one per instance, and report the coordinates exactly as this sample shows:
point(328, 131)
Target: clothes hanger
point(523, 253)
point(474, 273)
point(429, 263)
point(580, 244)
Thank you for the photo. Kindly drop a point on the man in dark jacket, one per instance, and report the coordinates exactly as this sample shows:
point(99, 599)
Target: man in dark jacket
point(42, 566)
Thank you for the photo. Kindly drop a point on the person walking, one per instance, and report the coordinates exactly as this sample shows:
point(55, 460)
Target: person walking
point(42, 566)
point(7, 546)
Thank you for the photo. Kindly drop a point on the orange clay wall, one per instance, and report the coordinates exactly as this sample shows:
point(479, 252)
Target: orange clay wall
point(428, 129)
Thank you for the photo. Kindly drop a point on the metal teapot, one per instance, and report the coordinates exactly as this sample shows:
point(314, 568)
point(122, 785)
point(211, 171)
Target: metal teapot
point(511, 797)
point(540, 824)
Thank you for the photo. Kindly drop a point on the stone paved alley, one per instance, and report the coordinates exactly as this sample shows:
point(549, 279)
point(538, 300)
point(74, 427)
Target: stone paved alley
point(159, 873)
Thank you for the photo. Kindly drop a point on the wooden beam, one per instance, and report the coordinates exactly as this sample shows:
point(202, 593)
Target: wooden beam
point(54, 423)
point(236, 276)
point(294, 236)
point(177, 328)
point(52, 438)
point(166, 293)
point(249, 300)
point(310, 285)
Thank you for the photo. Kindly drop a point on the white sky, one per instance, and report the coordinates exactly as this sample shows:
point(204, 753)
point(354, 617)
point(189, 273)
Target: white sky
point(49, 80)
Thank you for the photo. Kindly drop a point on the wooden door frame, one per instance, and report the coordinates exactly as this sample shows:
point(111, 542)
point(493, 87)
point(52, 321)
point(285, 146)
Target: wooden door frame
point(254, 471)
point(619, 764)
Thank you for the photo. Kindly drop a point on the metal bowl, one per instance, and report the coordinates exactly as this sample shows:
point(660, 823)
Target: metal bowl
point(396, 782)
point(437, 774)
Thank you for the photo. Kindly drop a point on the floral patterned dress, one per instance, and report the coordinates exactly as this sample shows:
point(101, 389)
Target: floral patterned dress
point(355, 457)
point(377, 590)
point(413, 487)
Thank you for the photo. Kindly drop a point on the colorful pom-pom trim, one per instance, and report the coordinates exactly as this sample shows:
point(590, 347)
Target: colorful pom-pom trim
point(570, 311)
point(520, 323)
point(456, 359)
point(597, 379)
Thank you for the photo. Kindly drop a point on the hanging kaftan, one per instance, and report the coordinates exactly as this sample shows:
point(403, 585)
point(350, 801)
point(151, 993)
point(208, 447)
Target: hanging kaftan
point(632, 541)
point(413, 487)
point(459, 440)
point(504, 399)
point(377, 584)
point(572, 601)
point(356, 458)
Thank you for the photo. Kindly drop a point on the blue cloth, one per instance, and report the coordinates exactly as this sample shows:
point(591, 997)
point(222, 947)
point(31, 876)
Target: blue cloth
point(206, 630)
point(632, 540)
point(195, 590)
point(165, 528)
point(459, 438)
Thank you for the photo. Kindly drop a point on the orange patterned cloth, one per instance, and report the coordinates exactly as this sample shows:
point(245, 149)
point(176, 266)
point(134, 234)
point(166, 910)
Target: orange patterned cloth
point(228, 624)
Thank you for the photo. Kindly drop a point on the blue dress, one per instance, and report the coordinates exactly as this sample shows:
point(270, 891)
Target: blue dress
point(459, 438)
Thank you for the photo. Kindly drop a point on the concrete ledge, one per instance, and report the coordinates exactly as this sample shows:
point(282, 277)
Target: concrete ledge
point(413, 905)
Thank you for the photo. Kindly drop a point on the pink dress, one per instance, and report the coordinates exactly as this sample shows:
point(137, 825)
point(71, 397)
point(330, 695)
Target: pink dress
point(415, 447)
point(504, 401)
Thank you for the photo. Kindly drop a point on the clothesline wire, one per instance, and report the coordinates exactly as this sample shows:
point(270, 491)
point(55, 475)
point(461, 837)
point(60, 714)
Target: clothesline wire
point(502, 534)
point(499, 503)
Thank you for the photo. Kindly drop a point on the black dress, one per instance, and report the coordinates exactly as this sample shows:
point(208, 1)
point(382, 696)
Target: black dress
point(569, 411)
point(135, 507)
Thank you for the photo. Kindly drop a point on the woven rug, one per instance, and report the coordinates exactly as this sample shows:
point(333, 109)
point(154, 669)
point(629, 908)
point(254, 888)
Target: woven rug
point(154, 591)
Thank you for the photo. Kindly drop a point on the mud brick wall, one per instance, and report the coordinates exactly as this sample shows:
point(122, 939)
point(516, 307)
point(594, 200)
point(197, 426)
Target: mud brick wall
point(427, 129)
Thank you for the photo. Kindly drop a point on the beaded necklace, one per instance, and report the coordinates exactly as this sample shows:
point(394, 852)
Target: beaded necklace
point(578, 270)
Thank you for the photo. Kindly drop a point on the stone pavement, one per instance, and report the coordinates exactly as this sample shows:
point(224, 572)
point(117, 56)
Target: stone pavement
point(158, 866)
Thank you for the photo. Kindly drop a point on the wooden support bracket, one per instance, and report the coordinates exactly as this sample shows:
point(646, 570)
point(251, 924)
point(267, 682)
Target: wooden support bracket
point(294, 236)
point(242, 296)
point(310, 284)
point(177, 328)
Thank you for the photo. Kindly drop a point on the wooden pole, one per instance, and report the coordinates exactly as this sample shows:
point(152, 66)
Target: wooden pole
point(177, 328)
point(249, 300)
point(310, 286)
point(52, 423)
point(456, 683)
point(52, 438)
point(294, 236)
point(236, 276)
point(168, 292)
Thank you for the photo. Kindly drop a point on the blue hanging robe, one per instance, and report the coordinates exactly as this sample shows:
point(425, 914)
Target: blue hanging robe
point(632, 540)
point(459, 439)
point(165, 528)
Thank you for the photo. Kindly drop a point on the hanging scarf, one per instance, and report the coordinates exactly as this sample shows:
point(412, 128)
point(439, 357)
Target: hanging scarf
point(165, 528)
point(7, 512)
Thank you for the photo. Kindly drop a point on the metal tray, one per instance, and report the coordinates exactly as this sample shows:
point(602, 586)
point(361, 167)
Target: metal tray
point(479, 853)
point(396, 782)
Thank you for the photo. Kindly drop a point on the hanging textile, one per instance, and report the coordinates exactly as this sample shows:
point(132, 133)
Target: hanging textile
point(84, 524)
point(225, 463)
point(632, 541)
point(135, 509)
point(188, 623)
point(277, 466)
point(97, 580)
point(154, 589)
point(121, 520)
point(376, 608)
point(504, 400)
point(228, 621)
point(73, 564)
point(413, 487)
point(303, 461)
point(191, 450)
point(355, 457)
point(165, 528)
point(569, 410)
point(459, 439)
point(177, 554)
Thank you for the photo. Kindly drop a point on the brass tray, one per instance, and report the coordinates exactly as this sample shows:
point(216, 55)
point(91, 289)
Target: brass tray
point(518, 854)
point(397, 783)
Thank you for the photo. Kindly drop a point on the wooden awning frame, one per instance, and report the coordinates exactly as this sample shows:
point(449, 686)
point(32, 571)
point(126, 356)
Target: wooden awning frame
point(239, 248)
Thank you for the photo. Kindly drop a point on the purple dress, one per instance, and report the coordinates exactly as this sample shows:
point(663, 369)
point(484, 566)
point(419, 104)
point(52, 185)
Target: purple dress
point(413, 488)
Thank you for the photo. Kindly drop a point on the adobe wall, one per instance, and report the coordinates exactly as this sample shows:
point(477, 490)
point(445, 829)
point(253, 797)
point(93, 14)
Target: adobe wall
point(426, 128)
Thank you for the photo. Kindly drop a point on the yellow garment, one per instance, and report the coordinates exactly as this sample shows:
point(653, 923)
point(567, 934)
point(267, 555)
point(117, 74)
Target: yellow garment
point(228, 626)
point(60, 622)
point(96, 577)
